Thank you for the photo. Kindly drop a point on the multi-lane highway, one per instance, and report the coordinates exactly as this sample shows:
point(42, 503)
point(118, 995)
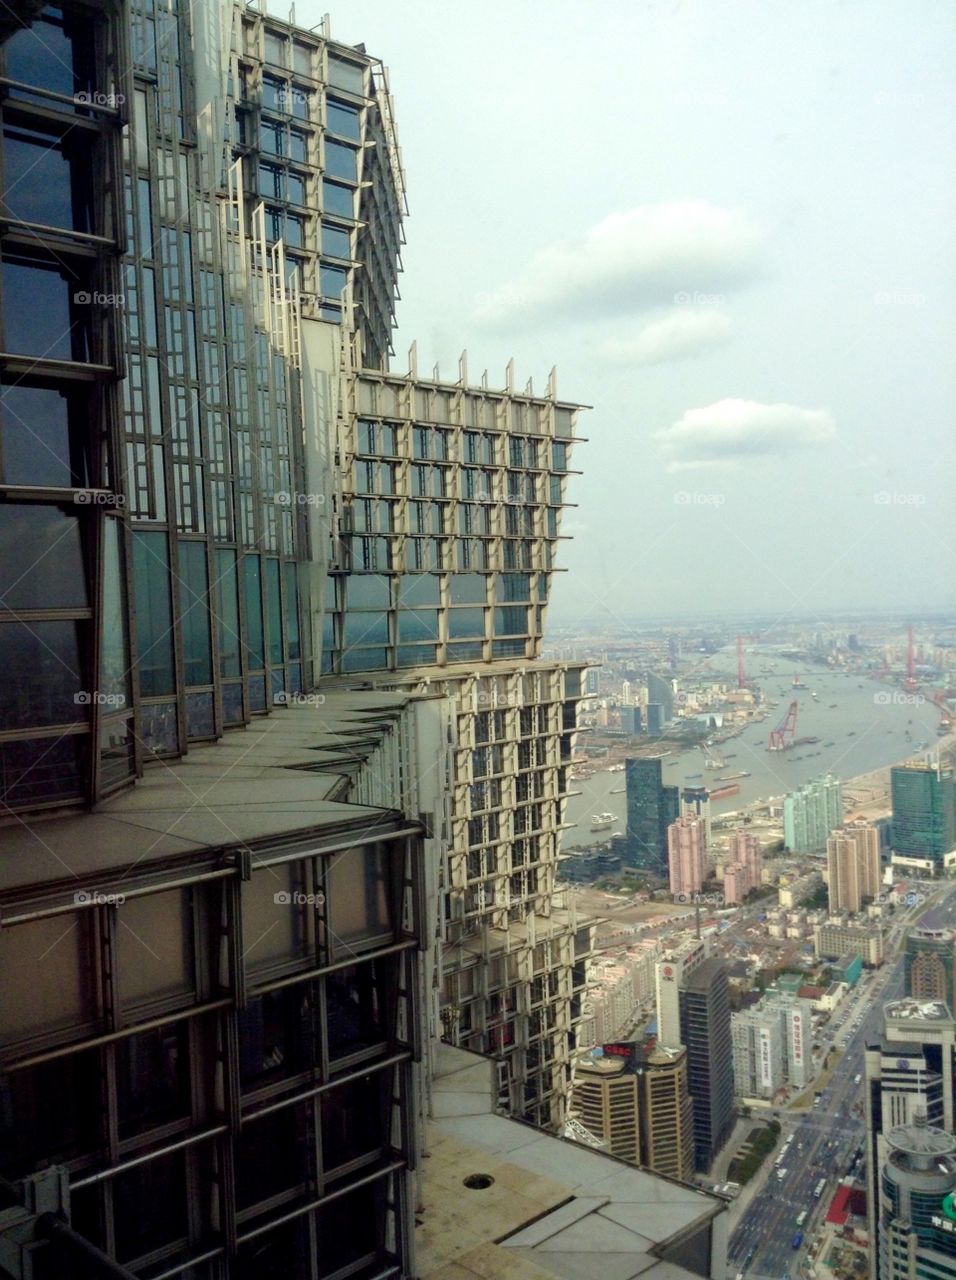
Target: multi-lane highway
point(826, 1139)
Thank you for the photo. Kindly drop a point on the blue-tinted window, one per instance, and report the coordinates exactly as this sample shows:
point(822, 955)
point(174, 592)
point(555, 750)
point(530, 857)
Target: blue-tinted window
point(365, 660)
point(332, 281)
point(466, 623)
point(511, 621)
point(346, 75)
point(43, 681)
point(292, 610)
point(419, 624)
point(341, 161)
point(48, 55)
point(274, 600)
point(363, 629)
point(53, 577)
point(339, 201)
point(468, 588)
point(273, 137)
point(154, 623)
point(367, 592)
point(298, 146)
point(513, 586)
point(114, 651)
point(415, 655)
point(47, 180)
point(336, 242)
point(44, 436)
point(295, 192)
point(194, 606)
point(227, 610)
point(343, 119)
point(418, 589)
point(255, 642)
point(45, 312)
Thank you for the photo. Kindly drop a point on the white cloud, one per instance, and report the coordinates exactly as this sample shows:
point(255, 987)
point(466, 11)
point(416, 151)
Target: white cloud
point(684, 251)
point(681, 335)
point(720, 434)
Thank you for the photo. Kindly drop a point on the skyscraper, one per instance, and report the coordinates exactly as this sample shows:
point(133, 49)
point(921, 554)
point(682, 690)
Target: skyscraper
point(924, 813)
point(916, 1222)
point(686, 862)
point(661, 692)
point(929, 965)
point(743, 866)
point(706, 1033)
point(651, 808)
point(237, 516)
point(810, 813)
point(853, 866)
point(695, 803)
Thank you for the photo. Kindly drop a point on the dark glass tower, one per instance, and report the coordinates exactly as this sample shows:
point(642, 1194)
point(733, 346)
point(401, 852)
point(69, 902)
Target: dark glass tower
point(924, 811)
point(651, 808)
point(706, 1033)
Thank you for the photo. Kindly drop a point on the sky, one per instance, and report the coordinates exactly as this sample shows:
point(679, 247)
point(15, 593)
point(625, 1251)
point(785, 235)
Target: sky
point(729, 225)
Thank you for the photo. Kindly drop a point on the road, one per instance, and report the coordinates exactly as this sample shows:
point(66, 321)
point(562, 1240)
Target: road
point(827, 1138)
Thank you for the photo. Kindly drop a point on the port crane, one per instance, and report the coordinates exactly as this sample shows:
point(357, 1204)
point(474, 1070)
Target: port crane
point(785, 732)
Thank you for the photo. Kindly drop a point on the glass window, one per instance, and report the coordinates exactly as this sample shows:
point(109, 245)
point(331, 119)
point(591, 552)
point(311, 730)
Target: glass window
point(46, 180)
point(276, 1035)
point(270, 182)
point(339, 201)
point(149, 1202)
point(295, 188)
point(43, 680)
point(299, 146)
point(152, 1079)
point(32, 1132)
point(53, 577)
point(154, 939)
point(292, 610)
point(346, 75)
point(341, 161)
point(417, 625)
point(511, 621)
point(194, 606)
point(255, 642)
point(273, 137)
point(154, 643)
point(59, 994)
point(45, 314)
point(301, 59)
point(365, 629)
point(52, 55)
point(354, 1120)
point(332, 280)
point(418, 589)
point(114, 653)
point(227, 611)
point(468, 588)
point(464, 623)
point(276, 50)
point(272, 1155)
point(273, 598)
point(355, 1008)
point(44, 436)
point(368, 591)
point(343, 119)
point(336, 242)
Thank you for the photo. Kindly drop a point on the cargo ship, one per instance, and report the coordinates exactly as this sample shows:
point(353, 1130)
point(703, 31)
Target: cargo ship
point(731, 777)
point(723, 792)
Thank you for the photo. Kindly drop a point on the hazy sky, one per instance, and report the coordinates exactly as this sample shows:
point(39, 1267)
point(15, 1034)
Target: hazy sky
point(730, 225)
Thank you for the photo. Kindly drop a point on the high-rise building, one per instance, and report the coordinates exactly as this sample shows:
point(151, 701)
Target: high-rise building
point(655, 718)
point(916, 1223)
point(929, 965)
point(695, 803)
point(686, 863)
point(631, 721)
point(706, 1034)
point(853, 866)
point(661, 691)
point(924, 813)
point(758, 1053)
point(651, 808)
point(636, 1100)
point(592, 682)
point(231, 503)
point(743, 866)
point(810, 813)
point(796, 1035)
point(681, 956)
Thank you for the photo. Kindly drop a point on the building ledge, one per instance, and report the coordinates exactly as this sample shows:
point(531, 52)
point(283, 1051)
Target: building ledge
point(555, 1209)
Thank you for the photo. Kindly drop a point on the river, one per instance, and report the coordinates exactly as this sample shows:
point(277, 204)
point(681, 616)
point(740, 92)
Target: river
point(862, 726)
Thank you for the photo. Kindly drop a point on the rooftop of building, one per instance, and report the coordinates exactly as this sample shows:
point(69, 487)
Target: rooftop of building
point(908, 1010)
point(276, 782)
point(704, 975)
point(554, 1208)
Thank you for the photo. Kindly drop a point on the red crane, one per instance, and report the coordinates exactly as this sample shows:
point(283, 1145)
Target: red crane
point(787, 728)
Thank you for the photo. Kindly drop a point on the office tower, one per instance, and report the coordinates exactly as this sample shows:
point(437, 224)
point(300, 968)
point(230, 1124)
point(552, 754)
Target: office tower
point(835, 938)
point(853, 866)
point(661, 691)
point(924, 814)
point(674, 650)
point(592, 681)
point(631, 720)
point(655, 718)
point(928, 964)
point(686, 863)
point(810, 814)
point(705, 1032)
point(795, 1017)
point(695, 803)
point(224, 493)
point(916, 1222)
point(679, 959)
point(627, 693)
point(651, 808)
point(636, 1100)
point(757, 1053)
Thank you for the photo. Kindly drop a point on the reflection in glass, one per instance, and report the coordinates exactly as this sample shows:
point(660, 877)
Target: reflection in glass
point(154, 637)
point(255, 642)
point(194, 606)
point(53, 577)
point(43, 436)
point(227, 629)
point(114, 653)
point(43, 680)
